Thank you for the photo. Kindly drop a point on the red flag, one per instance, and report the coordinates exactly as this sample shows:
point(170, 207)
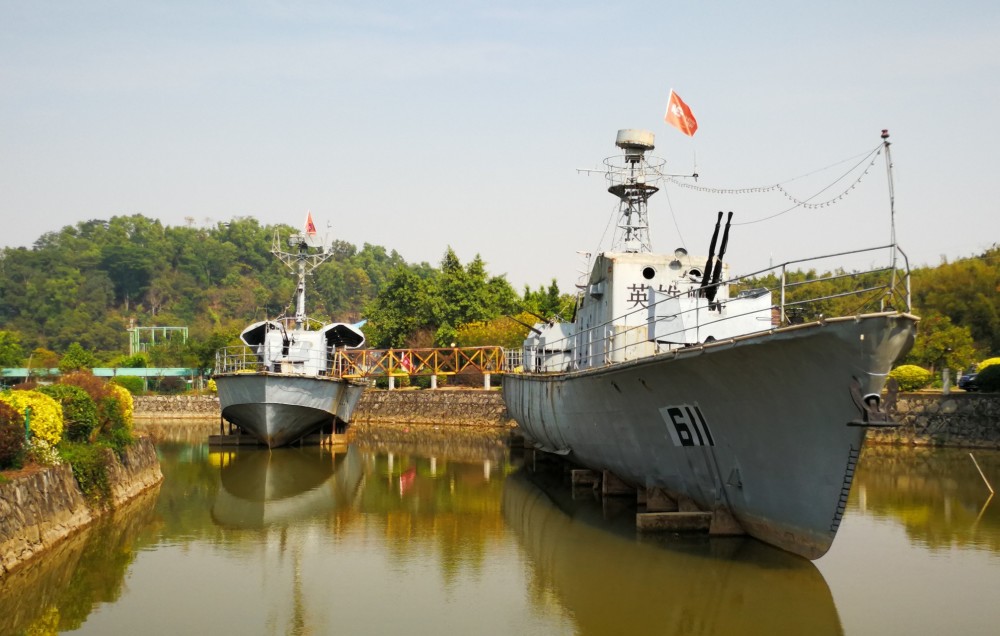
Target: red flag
point(679, 115)
point(310, 226)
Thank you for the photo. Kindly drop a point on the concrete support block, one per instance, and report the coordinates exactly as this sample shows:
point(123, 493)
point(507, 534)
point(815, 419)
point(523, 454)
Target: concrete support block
point(724, 524)
point(613, 486)
point(434, 382)
point(685, 504)
point(673, 521)
point(486, 381)
point(657, 500)
point(584, 477)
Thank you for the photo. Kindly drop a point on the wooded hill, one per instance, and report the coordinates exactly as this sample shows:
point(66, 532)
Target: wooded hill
point(88, 283)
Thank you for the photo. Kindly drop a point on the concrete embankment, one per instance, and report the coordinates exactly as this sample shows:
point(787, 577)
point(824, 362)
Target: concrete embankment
point(965, 420)
point(40, 509)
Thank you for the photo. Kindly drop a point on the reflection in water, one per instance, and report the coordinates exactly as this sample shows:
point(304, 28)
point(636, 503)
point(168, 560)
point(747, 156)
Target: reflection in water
point(410, 533)
point(261, 488)
point(937, 494)
point(613, 583)
point(57, 591)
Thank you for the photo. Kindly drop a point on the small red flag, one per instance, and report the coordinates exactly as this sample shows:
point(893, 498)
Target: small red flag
point(310, 226)
point(679, 115)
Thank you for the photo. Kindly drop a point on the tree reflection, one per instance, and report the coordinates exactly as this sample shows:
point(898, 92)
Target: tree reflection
point(937, 494)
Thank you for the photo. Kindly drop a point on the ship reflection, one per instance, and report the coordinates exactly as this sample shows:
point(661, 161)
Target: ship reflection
point(261, 488)
point(610, 581)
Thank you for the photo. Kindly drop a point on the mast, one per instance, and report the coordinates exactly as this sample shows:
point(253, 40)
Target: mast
point(628, 177)
point(892, 202)
point(302, 262)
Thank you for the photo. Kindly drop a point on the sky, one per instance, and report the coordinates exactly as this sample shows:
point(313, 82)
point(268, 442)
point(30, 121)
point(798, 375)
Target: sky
point(423, 125)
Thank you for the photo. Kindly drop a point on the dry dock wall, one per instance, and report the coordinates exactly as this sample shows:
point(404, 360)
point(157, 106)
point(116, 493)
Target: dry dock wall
point(39, 510)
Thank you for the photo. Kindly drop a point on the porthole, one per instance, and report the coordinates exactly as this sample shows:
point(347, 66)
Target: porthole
point(648, 273)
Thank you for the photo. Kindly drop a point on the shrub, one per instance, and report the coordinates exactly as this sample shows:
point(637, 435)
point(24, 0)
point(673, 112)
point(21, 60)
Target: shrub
point(989, 379)
point(46, 413)
point(911, 377)
point(41, 452)
point(211, 386)
point(171, 385)
point(126, 403)
point(11, 437)
point(90, 468)
point(79, 410)
point(988, 362)
point(133, 383)
point(108, 410)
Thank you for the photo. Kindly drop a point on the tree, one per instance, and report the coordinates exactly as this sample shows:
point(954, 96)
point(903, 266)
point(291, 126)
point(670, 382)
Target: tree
point(940, 344)
point(967, 292)
point(11, 353)
point(399, 310)
point(76, 358)
point(547, 303)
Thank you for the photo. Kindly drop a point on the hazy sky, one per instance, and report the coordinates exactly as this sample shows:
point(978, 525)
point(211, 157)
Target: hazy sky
point(419, 125)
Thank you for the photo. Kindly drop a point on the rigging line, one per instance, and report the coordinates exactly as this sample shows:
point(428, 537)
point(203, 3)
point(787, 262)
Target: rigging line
point(865, 155)
point(673, 215)
point(805, 203)
point(614, 216)
point(876, 153)
point(775, 186)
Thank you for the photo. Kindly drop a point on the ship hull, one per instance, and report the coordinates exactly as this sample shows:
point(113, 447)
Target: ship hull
point(279, 409)
point(768, 426)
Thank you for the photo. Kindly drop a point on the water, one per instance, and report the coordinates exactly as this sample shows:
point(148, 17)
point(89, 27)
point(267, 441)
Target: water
point(446, 536)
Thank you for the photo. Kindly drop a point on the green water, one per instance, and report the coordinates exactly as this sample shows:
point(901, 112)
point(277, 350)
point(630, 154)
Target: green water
point(421, 534)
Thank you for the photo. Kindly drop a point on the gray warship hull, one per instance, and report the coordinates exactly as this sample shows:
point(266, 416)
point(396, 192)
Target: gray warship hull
point(767, 426)
point(279, 409)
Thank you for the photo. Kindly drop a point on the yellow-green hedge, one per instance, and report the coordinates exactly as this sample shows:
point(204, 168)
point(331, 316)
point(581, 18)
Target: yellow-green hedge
point(911, 377)
point(46, 413)
point(124, 397)
point(988, 362)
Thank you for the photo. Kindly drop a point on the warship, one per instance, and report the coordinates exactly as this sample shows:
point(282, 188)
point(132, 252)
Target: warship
point(284, 382)
point(739, 397)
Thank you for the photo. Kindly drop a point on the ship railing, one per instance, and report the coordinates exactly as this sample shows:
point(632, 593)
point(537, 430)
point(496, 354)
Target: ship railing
point(365, 363)
point(800, 297)
point(246, 359)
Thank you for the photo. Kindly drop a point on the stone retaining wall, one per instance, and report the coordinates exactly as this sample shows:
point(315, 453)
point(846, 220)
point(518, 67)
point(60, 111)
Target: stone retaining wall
point(39, 510)
point(176, 406)
point(452, 407)
point(458, 407)
point(959, 419)
point(931, 419)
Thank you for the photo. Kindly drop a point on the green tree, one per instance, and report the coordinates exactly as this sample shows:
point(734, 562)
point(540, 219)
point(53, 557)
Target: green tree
point(548, 303)
point(399, 311)
point(76, 358)
point(133, 254)
point(941, 344)
point(11, 353)
point(967, 292)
